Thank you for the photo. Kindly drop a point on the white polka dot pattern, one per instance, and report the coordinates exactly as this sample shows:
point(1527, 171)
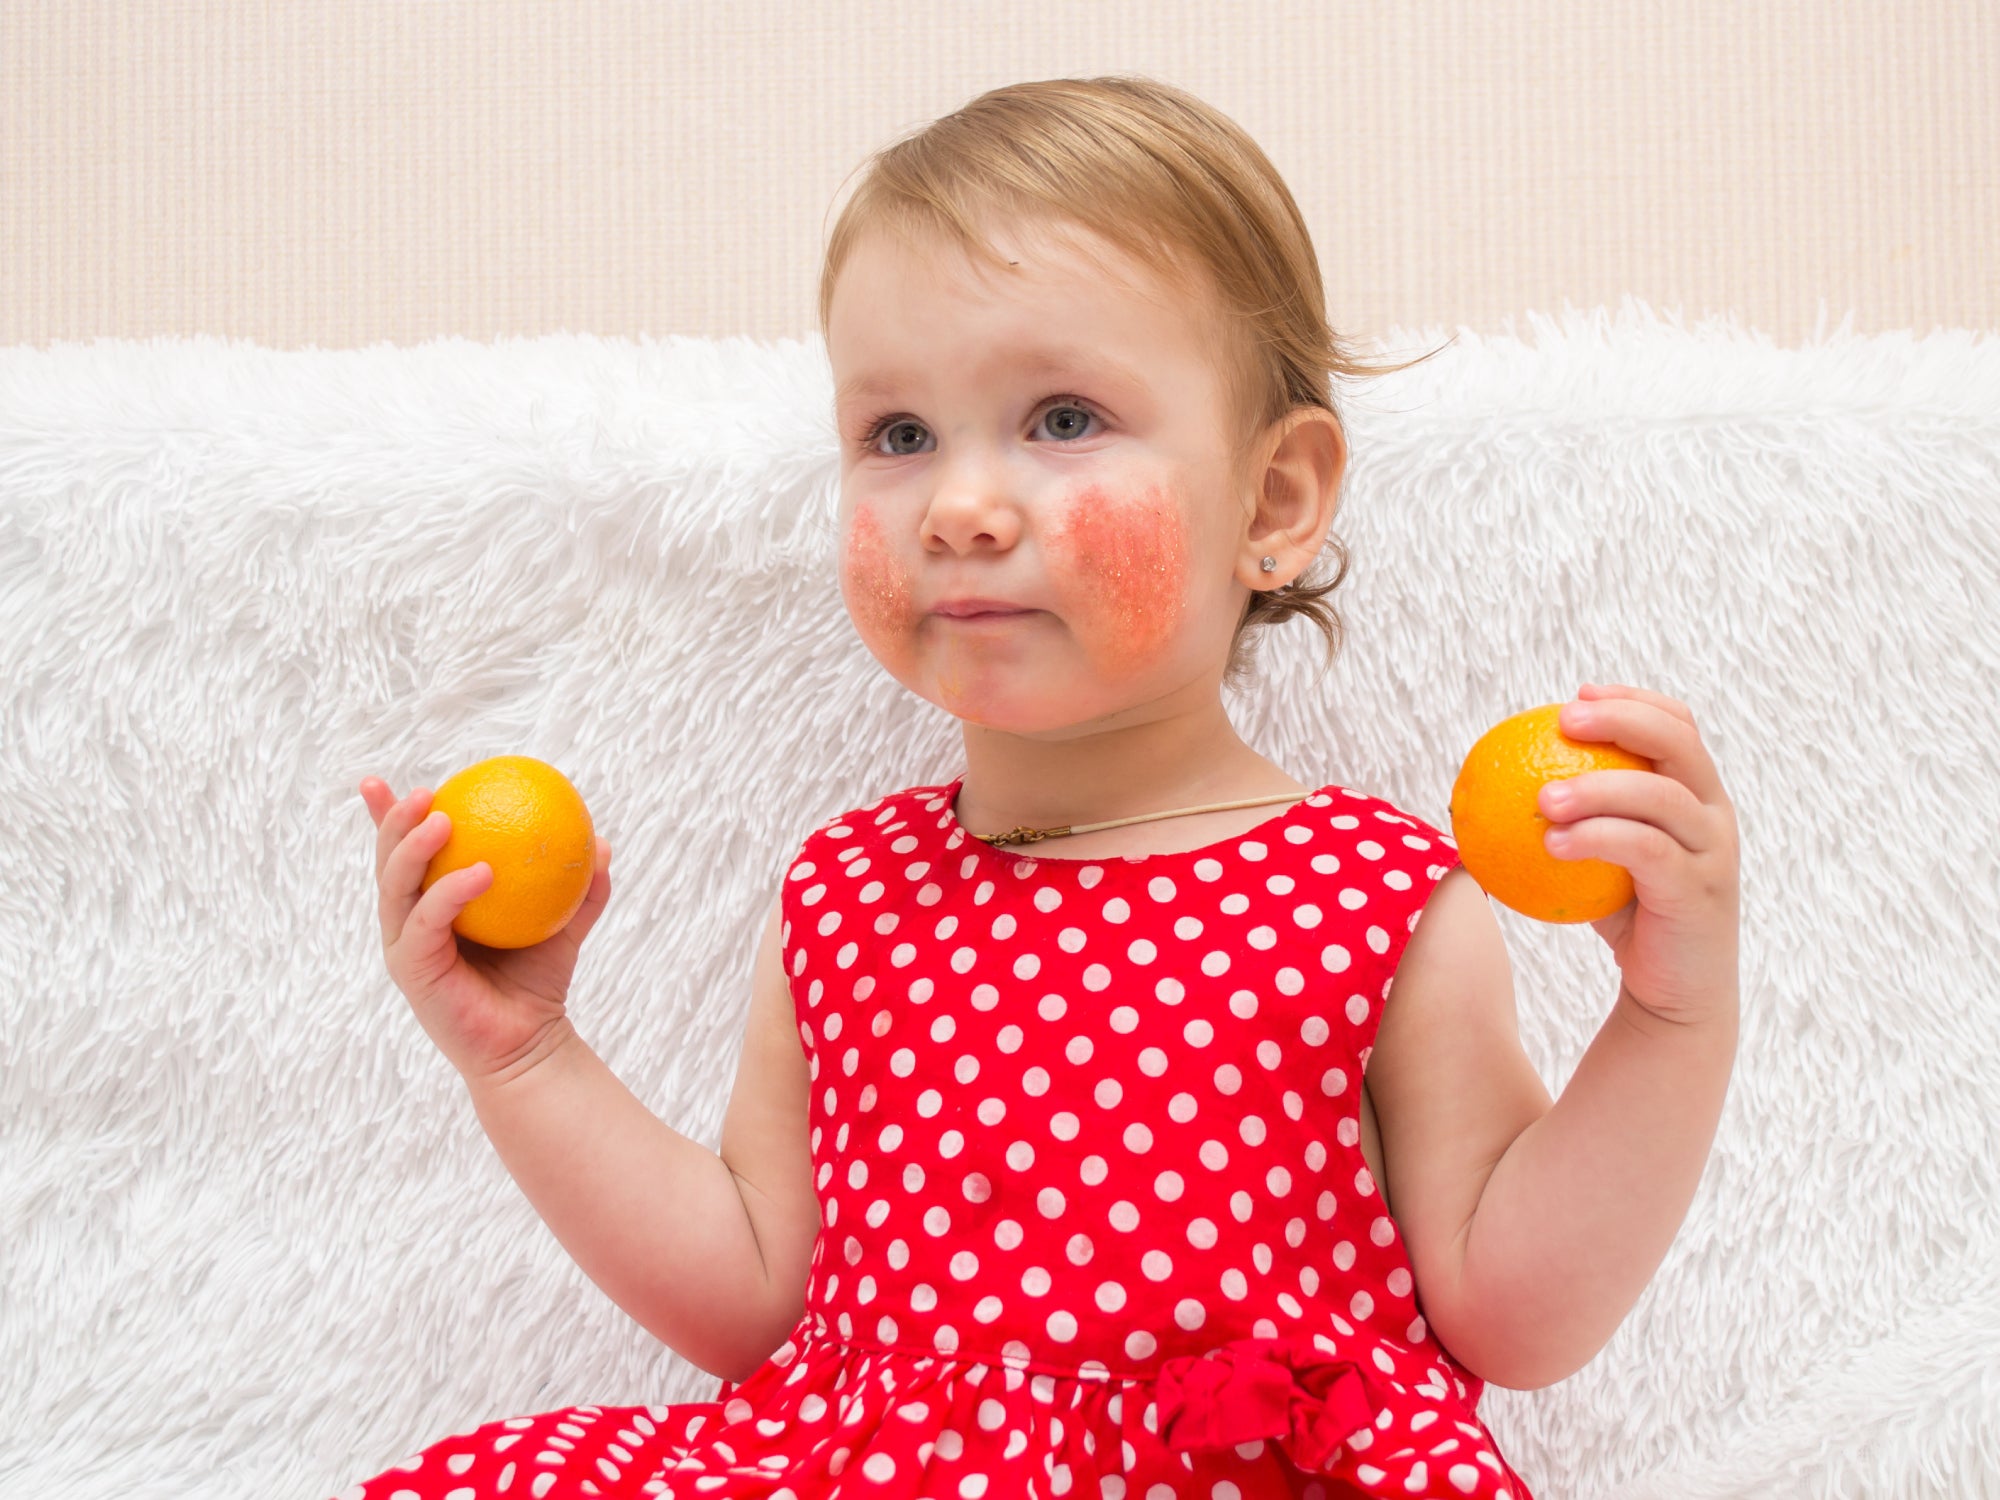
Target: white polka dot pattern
point(1086, 1146)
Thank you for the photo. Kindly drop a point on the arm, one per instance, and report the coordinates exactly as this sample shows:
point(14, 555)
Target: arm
point(1580, 1210)
point(704, 1258)
point(653, 1217)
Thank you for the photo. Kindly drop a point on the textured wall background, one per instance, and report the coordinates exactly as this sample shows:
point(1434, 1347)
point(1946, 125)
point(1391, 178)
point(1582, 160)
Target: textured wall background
point(345, 173)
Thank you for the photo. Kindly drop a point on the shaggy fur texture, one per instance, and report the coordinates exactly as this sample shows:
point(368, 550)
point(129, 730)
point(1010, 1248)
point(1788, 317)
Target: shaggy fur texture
point(252, 1241)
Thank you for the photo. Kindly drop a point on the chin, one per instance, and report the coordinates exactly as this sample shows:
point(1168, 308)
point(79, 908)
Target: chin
point(1006, 712)
point(1022, 696)
point(1008, 706)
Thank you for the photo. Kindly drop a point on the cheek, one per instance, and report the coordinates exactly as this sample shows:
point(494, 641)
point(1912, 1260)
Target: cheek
point(877, 588)
point(1125, 560)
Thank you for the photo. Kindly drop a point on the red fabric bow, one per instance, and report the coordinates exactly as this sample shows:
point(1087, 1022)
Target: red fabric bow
point(1287, 1389)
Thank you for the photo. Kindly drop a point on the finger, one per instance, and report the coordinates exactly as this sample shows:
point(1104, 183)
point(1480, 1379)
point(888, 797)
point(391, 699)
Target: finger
point(1642, 796)
point(379, 799)
point(1596, 690)
point(397, 822)
point(1662, 877)
point(427, 939)
point(1666, 736)
point(595, 898)
point(402, 879)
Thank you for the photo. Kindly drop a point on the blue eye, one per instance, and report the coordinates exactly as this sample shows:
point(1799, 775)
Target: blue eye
point(1051, 407)
point(1064, 404)
point(890, 424)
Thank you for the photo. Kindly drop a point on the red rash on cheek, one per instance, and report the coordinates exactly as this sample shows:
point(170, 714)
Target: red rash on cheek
point(1127, 560)
point(878, 590)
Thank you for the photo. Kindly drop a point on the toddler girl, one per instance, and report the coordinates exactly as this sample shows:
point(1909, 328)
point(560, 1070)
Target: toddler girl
point(1052, 1168)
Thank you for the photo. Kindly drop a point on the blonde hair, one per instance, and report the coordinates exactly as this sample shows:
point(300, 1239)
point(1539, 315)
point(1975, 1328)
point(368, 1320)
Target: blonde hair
point(1182, 189)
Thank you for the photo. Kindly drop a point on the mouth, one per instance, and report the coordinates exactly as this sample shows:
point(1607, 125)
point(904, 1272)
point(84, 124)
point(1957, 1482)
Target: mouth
point(985, 616)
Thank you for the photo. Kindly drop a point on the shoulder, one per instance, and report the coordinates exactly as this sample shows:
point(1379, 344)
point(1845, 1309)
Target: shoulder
point(1455, 940)
point(1387, 863)
point(1372, 815)
point(855, 827)
point(1381, 831)
point(1451, 952)
point(811, 870)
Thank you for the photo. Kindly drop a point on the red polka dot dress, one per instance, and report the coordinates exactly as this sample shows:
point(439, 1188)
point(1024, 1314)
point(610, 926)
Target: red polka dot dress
point(1094, 1215)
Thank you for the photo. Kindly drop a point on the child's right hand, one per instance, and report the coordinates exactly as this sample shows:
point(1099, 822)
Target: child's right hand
point(490, 1010)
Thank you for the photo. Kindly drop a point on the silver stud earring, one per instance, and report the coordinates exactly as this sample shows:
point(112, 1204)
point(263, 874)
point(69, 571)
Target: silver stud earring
point(1269, 564)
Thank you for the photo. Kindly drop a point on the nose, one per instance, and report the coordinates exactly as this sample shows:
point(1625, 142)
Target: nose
point(970, 501)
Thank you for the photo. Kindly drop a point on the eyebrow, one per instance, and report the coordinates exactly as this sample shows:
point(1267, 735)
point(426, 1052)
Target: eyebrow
point(1055, 361)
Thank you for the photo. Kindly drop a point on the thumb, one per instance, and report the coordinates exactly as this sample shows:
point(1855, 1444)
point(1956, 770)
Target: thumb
point(595, 898)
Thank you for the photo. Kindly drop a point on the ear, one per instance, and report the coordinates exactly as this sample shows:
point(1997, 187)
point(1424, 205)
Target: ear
point(1298, 490)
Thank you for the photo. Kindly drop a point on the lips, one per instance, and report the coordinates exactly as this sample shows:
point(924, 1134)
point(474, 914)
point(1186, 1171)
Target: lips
point(979, 609)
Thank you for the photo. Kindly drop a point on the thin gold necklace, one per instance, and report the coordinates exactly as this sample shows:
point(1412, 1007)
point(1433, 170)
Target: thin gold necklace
point(1036, 835)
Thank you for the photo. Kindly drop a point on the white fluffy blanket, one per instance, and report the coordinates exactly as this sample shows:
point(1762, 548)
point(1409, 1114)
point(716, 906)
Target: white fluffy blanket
point(252, 1241)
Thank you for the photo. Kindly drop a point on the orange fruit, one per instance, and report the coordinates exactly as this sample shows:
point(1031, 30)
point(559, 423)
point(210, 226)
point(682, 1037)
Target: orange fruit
point(524, 820)
point(1499, 828)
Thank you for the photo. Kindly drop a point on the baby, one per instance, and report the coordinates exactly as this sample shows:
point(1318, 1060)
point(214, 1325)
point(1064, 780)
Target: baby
point(1107, 1122)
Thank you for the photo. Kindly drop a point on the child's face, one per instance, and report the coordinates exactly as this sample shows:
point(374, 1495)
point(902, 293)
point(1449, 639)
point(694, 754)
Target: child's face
point(1092, 490)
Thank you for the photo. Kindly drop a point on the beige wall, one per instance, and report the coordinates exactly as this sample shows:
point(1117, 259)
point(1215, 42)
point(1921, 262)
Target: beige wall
point(344, 172)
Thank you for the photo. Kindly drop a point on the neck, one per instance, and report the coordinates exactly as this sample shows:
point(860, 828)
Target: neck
point(1100, 773)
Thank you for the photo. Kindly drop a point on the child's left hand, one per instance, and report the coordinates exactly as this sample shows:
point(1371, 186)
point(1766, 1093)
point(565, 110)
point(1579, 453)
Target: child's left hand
point(1675, 831)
